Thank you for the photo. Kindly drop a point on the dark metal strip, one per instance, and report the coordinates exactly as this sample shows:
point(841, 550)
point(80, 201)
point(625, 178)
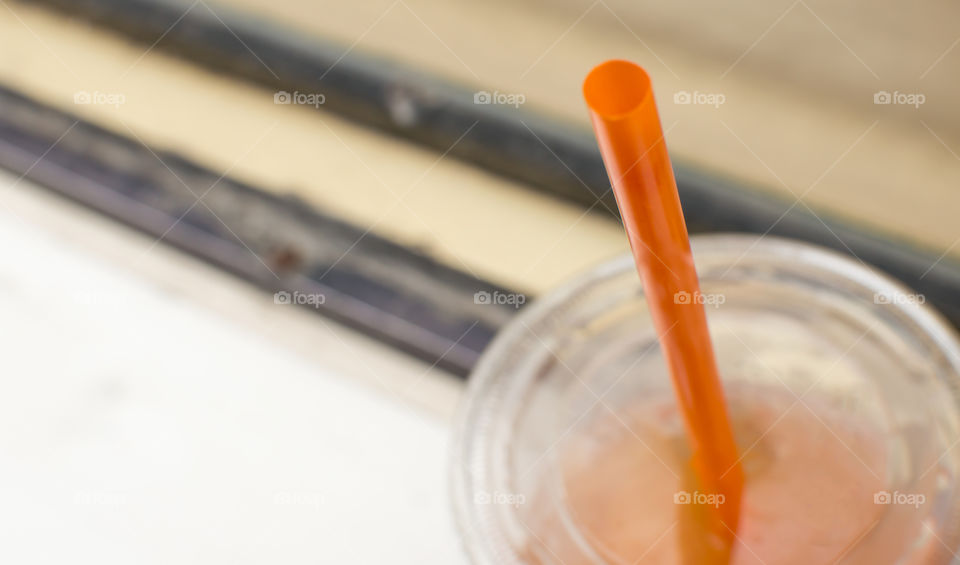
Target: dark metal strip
point(385, 290)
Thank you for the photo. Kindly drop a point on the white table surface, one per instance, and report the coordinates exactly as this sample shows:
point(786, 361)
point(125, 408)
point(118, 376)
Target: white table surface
point(153, 410)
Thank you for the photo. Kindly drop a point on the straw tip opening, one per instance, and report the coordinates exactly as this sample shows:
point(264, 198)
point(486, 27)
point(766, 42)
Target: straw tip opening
point(615, 88)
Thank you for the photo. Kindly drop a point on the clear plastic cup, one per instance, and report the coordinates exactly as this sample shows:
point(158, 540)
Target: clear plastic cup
point(841, 383)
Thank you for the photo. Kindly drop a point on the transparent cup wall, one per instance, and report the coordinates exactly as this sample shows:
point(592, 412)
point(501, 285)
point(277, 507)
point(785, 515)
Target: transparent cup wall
point(813, 324)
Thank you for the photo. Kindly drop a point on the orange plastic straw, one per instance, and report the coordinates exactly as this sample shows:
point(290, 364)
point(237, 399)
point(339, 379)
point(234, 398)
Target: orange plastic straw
point(628, 130)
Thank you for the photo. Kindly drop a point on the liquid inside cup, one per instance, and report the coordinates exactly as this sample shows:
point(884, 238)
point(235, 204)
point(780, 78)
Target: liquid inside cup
point(842, 394)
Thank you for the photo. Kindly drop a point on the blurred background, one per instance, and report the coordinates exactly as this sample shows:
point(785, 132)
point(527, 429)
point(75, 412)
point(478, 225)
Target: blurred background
point(257, 247)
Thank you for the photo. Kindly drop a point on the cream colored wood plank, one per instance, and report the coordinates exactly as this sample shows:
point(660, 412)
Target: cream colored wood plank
point(470, 219)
